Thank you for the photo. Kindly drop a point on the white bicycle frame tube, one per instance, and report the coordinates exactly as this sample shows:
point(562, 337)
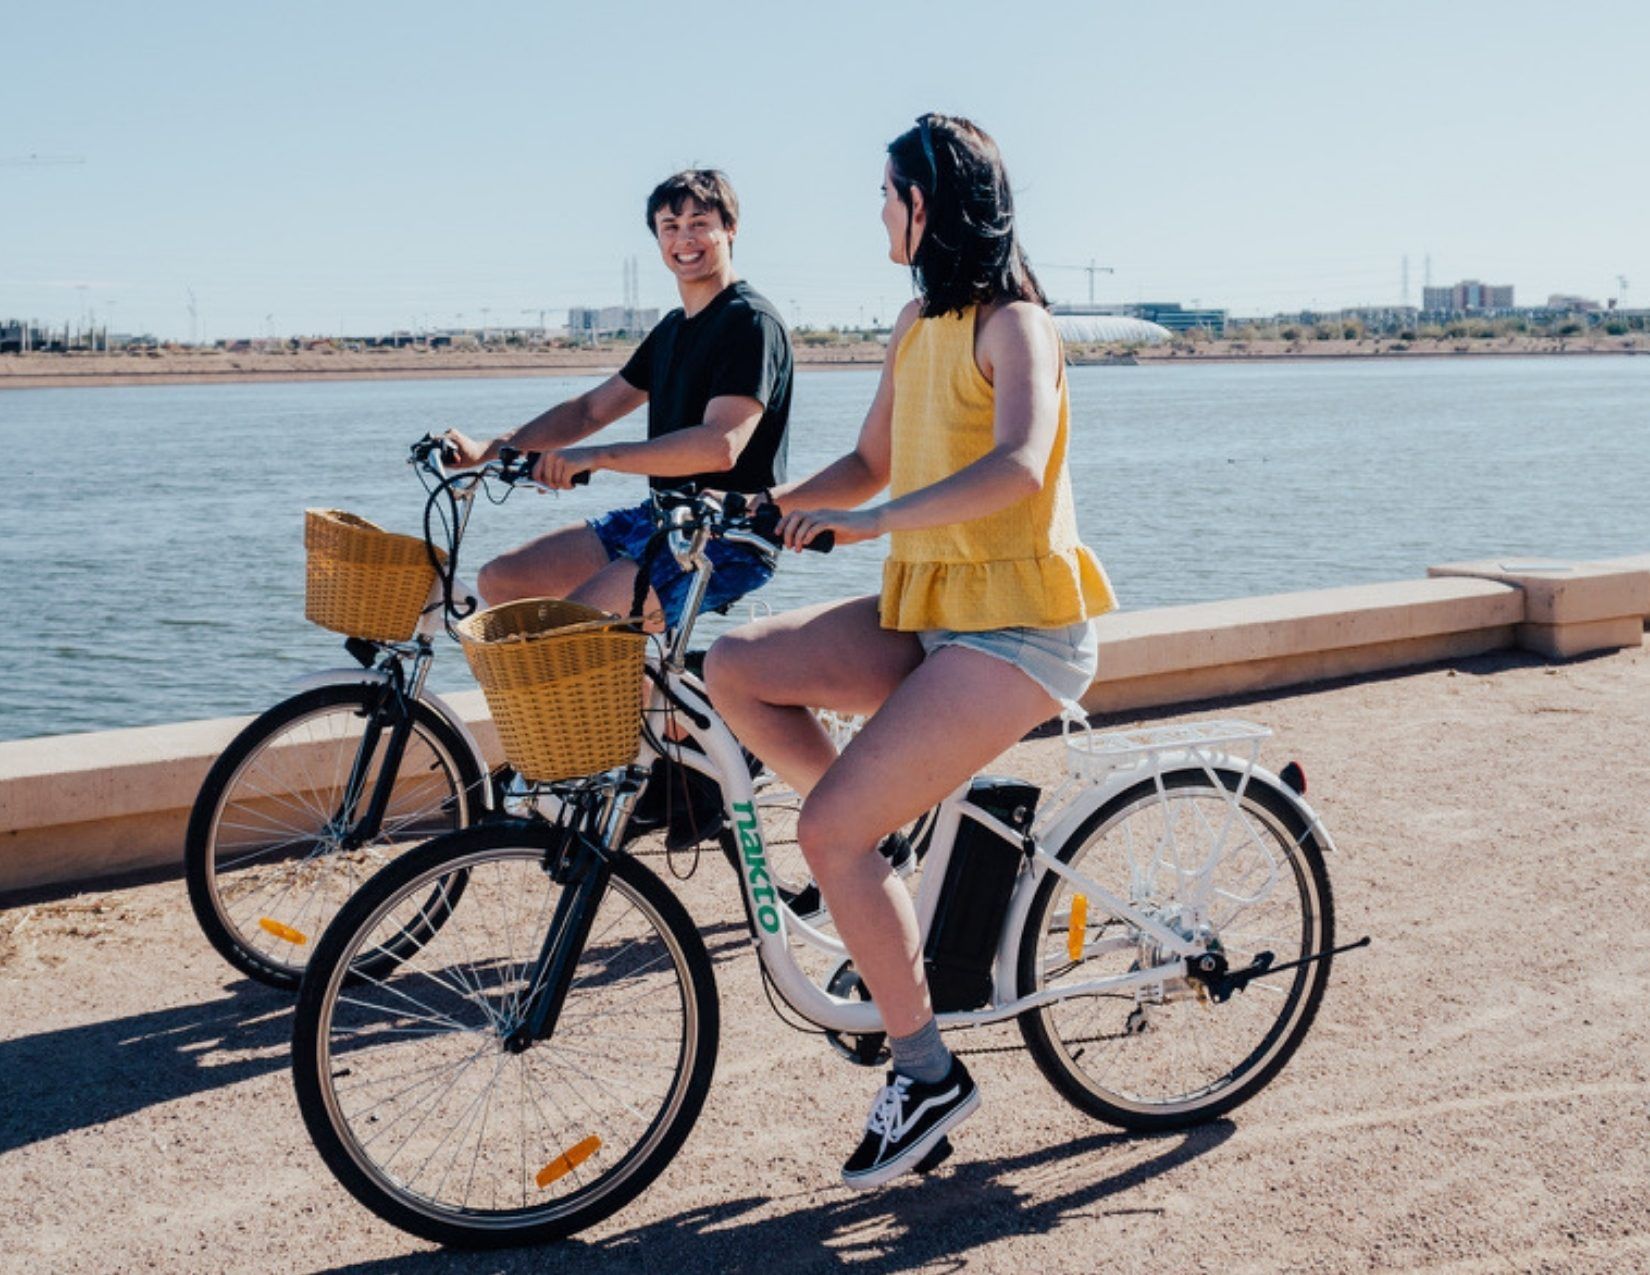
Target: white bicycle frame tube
point(724, 761)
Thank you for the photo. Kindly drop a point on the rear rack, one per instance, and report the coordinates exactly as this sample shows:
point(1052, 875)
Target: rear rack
point(1093, 754)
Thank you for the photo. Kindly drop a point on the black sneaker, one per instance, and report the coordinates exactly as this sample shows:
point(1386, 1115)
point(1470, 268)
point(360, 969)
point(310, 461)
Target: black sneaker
point(907, 1121)
point(695, 815)
point(687, 804)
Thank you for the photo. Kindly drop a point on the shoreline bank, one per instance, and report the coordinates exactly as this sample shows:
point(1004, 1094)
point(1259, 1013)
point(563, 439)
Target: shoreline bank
point(59, 371)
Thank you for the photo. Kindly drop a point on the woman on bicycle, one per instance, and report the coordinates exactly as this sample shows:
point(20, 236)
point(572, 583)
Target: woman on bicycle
point(982, 628)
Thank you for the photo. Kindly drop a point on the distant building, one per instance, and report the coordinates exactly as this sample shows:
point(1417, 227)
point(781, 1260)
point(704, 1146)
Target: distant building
point(1467, 296)
point(1382, 318)
point(1164, 314)
point(1572, 304)
point(1177, 318)
point(589, 323)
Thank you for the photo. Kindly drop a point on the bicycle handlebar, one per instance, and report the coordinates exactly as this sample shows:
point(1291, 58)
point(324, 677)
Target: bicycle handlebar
point(511, 466)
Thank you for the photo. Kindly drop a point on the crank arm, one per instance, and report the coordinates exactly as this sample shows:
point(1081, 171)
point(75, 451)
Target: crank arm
point(1222, 983)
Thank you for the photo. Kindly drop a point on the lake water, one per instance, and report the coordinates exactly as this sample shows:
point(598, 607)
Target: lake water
point(152, 536)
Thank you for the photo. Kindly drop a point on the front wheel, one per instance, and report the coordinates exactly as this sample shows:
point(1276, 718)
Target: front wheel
point(1244, 874)
point(418, 1086)
point(275, 843)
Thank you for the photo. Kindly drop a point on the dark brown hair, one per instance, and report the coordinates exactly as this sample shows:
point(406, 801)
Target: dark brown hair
point(969, 253)
point(707, 187)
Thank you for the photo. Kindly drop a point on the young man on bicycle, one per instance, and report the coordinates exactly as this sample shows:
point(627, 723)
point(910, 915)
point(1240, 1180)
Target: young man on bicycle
point(716, 377)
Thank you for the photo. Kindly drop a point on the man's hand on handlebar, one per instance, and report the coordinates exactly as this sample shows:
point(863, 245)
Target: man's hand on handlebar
point(463, 452)
point(569, 467)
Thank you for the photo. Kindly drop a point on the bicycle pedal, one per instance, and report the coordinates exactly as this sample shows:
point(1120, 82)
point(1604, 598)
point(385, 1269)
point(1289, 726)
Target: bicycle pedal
point(937, 1155)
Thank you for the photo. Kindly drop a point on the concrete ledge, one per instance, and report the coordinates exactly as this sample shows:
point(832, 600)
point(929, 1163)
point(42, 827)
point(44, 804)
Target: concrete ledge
point(76, 807)
point(81, 806)
point(1570, 608)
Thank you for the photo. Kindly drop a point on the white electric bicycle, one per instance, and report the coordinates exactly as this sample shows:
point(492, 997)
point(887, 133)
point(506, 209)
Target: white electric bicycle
point(517, 1061)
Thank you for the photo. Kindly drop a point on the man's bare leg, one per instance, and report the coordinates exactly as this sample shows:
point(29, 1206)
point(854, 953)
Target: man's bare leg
point(553, 566)
point(613, 589)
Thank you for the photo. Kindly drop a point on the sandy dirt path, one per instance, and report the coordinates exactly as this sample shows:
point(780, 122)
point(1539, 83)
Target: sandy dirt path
point(1475, 1096)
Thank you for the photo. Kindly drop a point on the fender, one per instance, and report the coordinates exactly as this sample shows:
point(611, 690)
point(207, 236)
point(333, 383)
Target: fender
point(366, 676)
point(1071, 817)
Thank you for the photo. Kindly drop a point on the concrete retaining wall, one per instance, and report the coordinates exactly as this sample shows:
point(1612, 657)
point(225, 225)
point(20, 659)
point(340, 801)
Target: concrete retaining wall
point(75, 807)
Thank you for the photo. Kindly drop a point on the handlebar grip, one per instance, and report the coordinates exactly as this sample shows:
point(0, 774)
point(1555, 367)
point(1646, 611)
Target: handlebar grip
point(765, 523)
point(519, 467)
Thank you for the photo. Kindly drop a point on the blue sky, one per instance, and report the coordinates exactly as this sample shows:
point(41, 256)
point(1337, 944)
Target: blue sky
point(309, 167)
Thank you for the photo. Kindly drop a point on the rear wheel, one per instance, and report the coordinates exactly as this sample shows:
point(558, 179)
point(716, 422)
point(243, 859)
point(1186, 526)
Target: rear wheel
point(273, 850)
point(1166, 1055)
point(416, 1087)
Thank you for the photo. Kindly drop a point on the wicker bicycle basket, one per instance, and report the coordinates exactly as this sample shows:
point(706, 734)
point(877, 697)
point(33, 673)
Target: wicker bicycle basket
point(363, 580)
point(563, 682)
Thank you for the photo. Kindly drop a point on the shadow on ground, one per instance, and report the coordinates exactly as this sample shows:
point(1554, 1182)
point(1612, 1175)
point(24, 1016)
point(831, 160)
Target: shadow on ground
point(927, 1224)
point(79, 1077)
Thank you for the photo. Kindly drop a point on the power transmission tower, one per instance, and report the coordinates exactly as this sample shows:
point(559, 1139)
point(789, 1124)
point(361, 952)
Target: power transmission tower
point(1405, 301)
point(632, 293)
point(194, 318)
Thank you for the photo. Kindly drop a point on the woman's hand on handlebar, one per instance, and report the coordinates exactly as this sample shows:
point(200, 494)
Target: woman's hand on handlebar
point(848, 526)
point(571, 466)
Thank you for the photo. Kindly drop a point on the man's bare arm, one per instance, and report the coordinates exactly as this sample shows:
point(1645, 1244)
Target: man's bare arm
point(561, 426)
point(711, 447)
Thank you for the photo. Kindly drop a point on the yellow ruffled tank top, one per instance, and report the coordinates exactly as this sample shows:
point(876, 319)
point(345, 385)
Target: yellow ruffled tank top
point(1022, 565)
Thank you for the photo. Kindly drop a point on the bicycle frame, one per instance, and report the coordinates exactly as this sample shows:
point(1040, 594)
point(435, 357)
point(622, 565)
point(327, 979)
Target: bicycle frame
point(773, 924)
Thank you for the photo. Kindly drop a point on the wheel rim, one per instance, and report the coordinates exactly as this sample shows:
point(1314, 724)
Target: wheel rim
point(280, 865)
point(1170, 1049)
point(427, 1099)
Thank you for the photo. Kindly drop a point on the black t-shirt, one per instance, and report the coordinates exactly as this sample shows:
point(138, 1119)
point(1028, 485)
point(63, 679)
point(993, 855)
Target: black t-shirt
point(736, 345)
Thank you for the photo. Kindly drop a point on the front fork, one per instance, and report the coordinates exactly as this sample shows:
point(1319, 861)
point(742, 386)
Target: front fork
point(395, 710)
point(583, 866)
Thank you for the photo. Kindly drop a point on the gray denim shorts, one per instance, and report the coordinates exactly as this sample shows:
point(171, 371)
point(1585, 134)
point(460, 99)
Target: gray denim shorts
point(1062, 661)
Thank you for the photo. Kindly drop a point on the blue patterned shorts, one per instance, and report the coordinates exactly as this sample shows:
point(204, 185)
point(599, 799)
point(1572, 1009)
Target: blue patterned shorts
point(624, 533)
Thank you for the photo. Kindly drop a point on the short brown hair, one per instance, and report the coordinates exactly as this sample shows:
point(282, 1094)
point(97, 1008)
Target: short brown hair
point(707, 187)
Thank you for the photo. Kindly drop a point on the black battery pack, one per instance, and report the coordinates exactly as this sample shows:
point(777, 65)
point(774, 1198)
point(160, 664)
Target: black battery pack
point(974, 896)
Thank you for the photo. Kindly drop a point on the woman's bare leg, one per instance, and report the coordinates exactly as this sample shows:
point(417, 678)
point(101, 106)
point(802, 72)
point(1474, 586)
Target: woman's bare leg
point(952, 716)
point(766, 675)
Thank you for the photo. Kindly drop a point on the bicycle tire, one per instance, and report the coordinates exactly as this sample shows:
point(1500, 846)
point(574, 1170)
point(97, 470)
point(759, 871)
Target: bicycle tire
point(354, 1041)
point(1163, 1028)
point(454, 799)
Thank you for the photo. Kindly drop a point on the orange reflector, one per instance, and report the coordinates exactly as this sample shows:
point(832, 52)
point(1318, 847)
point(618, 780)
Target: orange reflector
point(568, 1160)
point(1077, 926)
point(283, 931)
